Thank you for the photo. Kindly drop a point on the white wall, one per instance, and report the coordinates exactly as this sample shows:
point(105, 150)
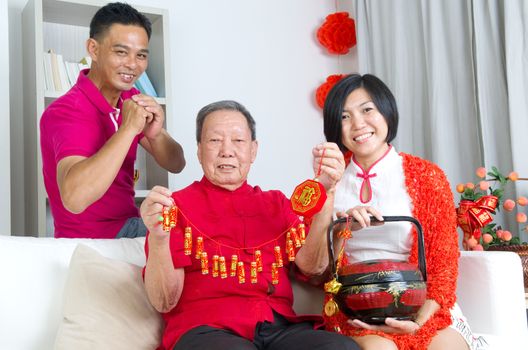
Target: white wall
point(5, 176)
point(263, 54)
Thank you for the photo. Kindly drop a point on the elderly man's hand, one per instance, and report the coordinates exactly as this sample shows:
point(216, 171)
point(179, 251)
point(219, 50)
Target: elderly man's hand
point(152, 208)
point(328, 164)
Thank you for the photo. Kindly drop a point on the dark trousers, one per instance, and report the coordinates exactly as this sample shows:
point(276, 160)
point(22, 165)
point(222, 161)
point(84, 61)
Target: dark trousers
point(279, 335)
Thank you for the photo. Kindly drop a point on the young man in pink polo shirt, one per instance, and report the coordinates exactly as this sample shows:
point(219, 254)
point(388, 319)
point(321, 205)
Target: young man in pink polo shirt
point(90, 135)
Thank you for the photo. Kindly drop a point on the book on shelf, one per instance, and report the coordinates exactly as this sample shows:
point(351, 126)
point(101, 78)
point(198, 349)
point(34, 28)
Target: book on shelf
point(48, 79)
point(65, 82)
point(55, 72)
point(60, 75)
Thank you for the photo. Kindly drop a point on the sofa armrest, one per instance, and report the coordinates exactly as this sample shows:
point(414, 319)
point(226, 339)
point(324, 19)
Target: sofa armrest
point(490, 293)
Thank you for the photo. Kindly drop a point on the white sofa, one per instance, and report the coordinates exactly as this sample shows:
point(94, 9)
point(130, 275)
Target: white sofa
point(33, 273)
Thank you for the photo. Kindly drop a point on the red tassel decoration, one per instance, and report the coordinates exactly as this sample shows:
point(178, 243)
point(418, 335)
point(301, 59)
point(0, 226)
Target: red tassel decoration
point(205, 263)
point(241, 272)
point(234, 262)
point(295, 238)
point(253, 272)
point(173, 216)
point(258, 260)
point(215, 265)
point(187, 243)
point(274, 274)
point(166, 219)
point(290, 250)
point(302, 232)
point(199, 247)
point(223, 270)
point(278, 256)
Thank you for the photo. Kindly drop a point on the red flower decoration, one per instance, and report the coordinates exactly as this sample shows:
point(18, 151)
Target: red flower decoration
point(323, 89)
point(338, 33)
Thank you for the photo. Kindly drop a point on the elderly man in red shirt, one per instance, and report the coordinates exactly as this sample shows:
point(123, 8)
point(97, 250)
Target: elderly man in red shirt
point(220, 277)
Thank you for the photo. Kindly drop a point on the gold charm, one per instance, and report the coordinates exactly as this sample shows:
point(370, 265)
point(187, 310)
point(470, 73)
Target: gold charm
point(332, 286)
point(331, 308)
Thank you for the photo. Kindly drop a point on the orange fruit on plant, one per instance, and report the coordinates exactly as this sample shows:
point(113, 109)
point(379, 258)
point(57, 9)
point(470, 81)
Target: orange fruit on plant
point(481, 172)
point(472, 242)
point(521, 217)
point(487, 238)
point(507, 236)
point(522, 201)
point(509, 204)
point(460, 188)
point(513, 176)
point(484, 185)
point(470, 185)
point(478, 247)
point(499, 233)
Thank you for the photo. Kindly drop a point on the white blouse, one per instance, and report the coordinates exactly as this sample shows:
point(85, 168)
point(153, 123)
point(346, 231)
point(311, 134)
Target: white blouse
point(392, 240)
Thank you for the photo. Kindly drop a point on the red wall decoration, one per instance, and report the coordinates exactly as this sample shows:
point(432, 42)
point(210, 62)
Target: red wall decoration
point(337, 34)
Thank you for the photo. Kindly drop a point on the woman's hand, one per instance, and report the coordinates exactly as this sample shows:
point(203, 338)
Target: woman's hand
point(328, 164)
point(361, 216)
point(152, 207)
point(391, 326)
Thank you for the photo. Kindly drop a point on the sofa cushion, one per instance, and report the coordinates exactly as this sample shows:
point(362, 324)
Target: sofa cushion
point(105, 306)
point(34, 272)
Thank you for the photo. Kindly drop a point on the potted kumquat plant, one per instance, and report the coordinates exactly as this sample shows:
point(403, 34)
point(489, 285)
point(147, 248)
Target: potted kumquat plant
point(479, 202)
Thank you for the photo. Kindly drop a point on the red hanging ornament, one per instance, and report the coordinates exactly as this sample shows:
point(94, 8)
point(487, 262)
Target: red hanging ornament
point(166, 219)
point(187, 243)
point(258, 260)
point(253, 272)
point(295, 237)
point(241, 273)
point(234, 262)
point(216, 267)
point(278, 256)
point(204, 263)
point(274, 274)
point(338, 33)
point(223, 270)
point(323, 89)
point(199, 247)
point(290, 250)
point(309, 197)
point(302, 232)
point(173, 216)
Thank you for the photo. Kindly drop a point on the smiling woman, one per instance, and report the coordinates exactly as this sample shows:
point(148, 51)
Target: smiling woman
point(361, 117)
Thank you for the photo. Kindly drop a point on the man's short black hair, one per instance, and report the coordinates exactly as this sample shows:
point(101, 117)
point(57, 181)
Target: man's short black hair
point(120, 13)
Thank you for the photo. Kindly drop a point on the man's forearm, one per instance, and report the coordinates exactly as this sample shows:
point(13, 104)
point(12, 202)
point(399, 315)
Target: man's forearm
point(166, 151)
point(163, 283)
point(83, 182)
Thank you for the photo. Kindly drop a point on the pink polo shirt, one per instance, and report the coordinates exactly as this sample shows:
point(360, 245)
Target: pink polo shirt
point(79, 123)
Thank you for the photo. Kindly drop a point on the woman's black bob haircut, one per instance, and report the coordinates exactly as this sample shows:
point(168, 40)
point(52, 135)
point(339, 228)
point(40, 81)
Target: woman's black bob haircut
point(380, 94)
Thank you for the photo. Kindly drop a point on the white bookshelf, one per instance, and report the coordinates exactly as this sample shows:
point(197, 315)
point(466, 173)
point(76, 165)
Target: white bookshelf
point(5, 139)
point(63, 25)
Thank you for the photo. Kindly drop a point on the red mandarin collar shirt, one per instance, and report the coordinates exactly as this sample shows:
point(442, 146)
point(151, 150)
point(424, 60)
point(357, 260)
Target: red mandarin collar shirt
point(229, 221)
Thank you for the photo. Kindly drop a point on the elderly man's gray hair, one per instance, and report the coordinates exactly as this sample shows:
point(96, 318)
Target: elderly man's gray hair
point(226, 105)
